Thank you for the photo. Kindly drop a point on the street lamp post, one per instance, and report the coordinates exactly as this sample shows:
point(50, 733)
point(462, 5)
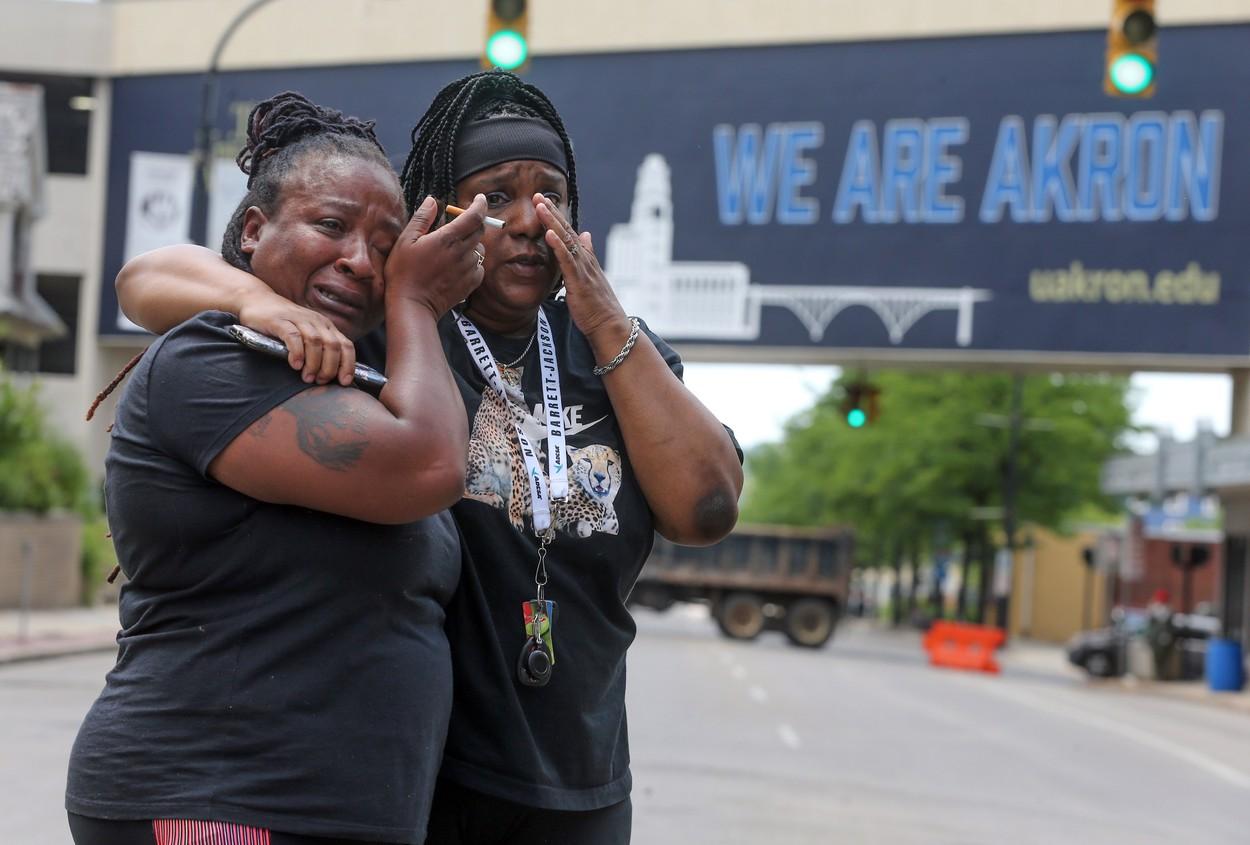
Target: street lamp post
point(1010, 487)
point(204, 140)
point(1016, 424)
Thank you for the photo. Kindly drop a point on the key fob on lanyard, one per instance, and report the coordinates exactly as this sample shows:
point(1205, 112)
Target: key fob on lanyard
point(537, 655)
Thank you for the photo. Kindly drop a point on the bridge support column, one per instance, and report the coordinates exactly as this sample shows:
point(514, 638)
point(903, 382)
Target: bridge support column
point(1239, 425)
point(1234, 606)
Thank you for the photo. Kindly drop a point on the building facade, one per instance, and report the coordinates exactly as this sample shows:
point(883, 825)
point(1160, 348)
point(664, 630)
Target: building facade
point(122, 79)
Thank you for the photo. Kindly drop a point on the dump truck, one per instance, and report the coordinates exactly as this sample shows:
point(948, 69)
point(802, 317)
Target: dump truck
point(759, 578)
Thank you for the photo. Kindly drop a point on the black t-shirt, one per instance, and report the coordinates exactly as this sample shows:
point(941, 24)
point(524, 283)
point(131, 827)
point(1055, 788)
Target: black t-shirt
point(563, 746)
point(277, 666)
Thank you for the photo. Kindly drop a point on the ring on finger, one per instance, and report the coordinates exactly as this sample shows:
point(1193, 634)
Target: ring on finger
point(573, 249)
point(481, 259)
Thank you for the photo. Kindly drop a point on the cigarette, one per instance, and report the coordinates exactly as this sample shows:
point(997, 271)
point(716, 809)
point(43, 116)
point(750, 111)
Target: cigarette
point(453, 211)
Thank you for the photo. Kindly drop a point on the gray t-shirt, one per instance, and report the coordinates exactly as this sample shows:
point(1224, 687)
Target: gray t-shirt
point(277, 666)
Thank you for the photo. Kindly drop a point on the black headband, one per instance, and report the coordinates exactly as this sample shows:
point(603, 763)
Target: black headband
point(485, 143)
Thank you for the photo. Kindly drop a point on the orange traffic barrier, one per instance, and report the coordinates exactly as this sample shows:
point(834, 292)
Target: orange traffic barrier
point(960, 645)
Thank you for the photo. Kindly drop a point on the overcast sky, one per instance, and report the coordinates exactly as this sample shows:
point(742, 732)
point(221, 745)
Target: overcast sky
point(755, 400)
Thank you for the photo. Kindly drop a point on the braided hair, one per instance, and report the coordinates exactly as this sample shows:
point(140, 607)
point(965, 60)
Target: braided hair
point(280, 131)
point(430, 167)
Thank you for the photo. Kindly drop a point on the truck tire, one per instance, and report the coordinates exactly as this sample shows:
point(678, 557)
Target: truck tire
point(654, 596)
point(810, 622)
point(741, 616)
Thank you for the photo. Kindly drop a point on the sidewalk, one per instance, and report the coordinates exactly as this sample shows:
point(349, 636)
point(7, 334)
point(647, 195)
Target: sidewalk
point(1039, 657)
point(54, 633)
point(1042, 660)
point(1195, 691)
point(78, 630)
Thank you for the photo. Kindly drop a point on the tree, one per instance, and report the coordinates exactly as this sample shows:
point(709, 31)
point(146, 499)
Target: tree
point(930, 460)
point(38, 470)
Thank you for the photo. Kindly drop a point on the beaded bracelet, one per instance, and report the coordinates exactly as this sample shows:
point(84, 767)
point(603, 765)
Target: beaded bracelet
point(625, 350)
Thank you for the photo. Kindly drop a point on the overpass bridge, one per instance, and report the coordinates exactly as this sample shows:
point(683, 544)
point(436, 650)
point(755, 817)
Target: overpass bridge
point(1203, 465)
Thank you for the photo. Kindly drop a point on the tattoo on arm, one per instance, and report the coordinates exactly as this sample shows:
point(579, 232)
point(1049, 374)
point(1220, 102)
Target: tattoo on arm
point(259, 427)
point(327, 427)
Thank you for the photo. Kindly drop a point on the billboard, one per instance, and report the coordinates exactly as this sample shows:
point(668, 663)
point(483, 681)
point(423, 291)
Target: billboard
point(970, 199)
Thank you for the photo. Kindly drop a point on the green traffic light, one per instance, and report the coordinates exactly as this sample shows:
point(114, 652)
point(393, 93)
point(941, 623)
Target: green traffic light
point(1131, 73)
point(856, 418)
point(507, 49)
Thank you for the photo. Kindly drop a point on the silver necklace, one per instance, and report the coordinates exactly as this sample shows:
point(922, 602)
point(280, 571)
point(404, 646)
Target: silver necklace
point(524, 352)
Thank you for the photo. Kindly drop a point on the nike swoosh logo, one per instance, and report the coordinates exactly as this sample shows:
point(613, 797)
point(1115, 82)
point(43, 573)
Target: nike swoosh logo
point(571, 430)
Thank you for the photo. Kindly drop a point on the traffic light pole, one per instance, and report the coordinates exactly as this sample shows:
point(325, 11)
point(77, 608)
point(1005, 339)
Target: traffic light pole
point(1010, 487)
point(1016, 424)
point(204, 134)
point(1087, 596)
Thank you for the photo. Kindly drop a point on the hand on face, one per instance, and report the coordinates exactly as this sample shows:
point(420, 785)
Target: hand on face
point(592, 303)
point(325, 245)
point(520, 269)
point(439, 269)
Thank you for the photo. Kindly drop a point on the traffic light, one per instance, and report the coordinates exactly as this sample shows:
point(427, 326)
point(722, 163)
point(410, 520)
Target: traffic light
point(507, 38)
point(1190, 557)
point(1132, 49)
point(859, 403)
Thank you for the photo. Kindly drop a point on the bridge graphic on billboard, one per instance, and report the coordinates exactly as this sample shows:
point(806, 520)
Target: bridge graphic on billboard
point(715, 300)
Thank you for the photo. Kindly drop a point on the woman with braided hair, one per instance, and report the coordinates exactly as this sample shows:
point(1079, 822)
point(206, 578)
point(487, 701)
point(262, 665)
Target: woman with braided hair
point(583, 442)
point(283, 676)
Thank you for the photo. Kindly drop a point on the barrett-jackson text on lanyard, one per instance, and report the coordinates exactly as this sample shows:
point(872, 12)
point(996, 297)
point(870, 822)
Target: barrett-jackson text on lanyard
point(541, 492)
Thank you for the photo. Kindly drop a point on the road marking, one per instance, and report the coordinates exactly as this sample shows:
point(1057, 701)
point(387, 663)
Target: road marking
point(1210, 765)
point(789, 737)
point(758, 693)
point(739, 672)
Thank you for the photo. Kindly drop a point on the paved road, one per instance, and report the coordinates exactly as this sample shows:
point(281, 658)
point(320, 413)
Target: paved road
point(858, 743)
point(41, 706)
point(864, 743)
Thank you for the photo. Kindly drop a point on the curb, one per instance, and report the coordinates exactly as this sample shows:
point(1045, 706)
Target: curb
point(48, 648)
point(1193, 692)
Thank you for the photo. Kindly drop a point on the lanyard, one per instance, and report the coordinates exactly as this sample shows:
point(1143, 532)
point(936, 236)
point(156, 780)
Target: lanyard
point(541, 490)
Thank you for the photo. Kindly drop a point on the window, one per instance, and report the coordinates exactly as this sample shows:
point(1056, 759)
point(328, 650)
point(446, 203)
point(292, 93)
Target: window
point(61, 292)
point(67, 126)
point(15, 357)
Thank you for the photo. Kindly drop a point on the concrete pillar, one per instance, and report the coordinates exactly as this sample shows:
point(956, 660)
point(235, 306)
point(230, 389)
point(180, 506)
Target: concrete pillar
point(1234, 599)
point(1235, 583)
point(1236, 512)
point(8, 281)
point(1239, 425)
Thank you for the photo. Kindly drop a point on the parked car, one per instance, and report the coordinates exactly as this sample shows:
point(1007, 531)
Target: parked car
point(1103, 652)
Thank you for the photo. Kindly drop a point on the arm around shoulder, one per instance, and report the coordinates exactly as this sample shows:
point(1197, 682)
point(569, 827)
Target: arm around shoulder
point(165, 287)
point(162, 288)
point(250, 423)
